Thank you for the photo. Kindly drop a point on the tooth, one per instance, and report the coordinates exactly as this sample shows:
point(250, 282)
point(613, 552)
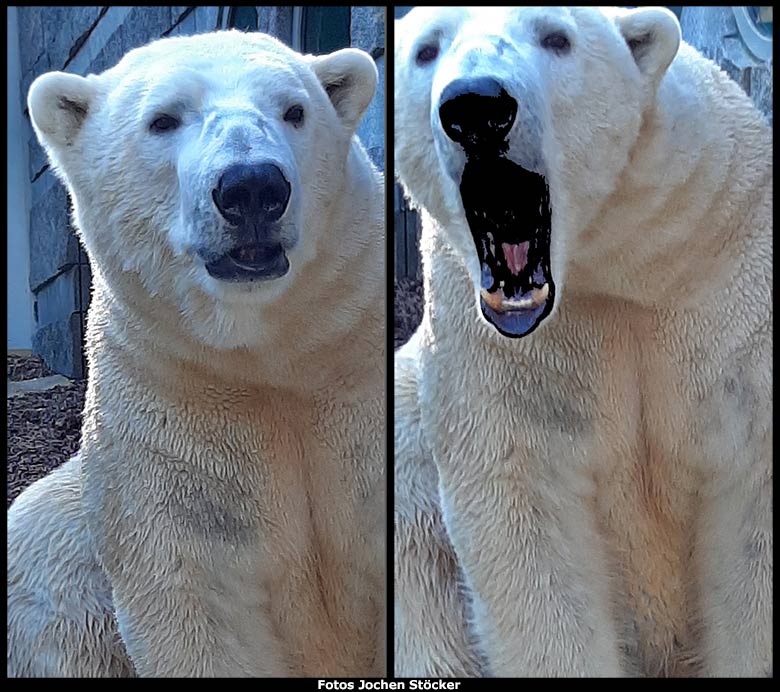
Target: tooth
point(539, 295)
point(522, 304)
point(494, 300)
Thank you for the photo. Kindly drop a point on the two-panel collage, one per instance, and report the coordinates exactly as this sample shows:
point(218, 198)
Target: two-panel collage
point(389, 347)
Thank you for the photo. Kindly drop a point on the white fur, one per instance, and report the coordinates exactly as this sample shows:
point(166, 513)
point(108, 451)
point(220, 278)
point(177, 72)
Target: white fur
point(228, 509)
point(603, 484)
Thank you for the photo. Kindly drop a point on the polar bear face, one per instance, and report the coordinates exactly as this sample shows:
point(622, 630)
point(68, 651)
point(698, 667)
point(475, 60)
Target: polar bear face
point(513, 126)
point(206, 166)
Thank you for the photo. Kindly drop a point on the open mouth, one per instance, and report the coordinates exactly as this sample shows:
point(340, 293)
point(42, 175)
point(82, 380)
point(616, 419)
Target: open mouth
point(508, 212)
point(250, 263)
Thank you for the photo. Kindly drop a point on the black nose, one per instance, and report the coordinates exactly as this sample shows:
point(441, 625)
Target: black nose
point(476, 112)
point(247, 194)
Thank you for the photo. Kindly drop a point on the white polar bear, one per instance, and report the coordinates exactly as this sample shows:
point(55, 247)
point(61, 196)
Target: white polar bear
point(583, 418)
point(226, 507)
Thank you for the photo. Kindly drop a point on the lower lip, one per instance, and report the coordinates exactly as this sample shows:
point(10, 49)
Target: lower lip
point(516, 324)
point(234, 271)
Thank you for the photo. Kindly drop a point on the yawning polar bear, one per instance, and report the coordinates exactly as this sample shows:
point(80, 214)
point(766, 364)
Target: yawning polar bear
point(583, 419)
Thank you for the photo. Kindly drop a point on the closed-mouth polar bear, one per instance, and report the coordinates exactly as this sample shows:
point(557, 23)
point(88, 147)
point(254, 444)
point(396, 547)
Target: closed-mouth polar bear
point(582, 420)
point(226, 509)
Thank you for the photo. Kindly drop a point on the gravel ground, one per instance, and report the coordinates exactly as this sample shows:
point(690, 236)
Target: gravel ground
point(408, 309)
point(44, 428)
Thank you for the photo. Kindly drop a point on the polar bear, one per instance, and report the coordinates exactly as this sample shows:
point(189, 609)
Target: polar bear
point(583, 477)
point(225, 514)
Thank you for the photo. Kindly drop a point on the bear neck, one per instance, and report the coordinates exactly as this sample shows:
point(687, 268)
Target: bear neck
point(693, 202)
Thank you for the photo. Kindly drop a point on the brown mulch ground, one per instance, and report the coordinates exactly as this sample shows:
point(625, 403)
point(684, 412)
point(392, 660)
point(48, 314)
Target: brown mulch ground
point(408, 309)
point(44, 428)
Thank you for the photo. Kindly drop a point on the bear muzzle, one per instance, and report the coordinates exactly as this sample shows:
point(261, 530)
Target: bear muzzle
point(252, 198)
point(507, 207)
point(477, 112)
point(252, 194)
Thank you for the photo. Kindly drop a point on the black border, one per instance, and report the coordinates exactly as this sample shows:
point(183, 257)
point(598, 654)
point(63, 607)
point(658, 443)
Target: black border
point(389, 174)
point(389, 332)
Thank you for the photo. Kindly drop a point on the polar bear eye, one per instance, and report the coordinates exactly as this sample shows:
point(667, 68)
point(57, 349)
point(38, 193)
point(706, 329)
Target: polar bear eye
point(556, 41)
point(427, 54)
point(164, 123)
point(294, 116)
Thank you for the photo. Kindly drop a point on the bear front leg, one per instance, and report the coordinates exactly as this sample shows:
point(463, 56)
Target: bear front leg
point(431, 634)
point(60, 615)
point(181, 620)
point(532, 558)
point(736, 563)
point(185, 606)
point(733, 448)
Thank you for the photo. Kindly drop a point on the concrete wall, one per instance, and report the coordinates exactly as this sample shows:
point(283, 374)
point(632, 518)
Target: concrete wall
point(19, 298)
point(91, 39)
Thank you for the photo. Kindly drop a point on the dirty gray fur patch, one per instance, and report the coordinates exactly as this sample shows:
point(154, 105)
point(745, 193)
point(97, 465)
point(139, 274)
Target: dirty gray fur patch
point(78, 109)
point(214, 509)
point(213, 520)
point(756, 546)
point(565, 416)
point(501, 46)
point(739, 386)
point(739, 389)
point(755, 549)
point(550, 410)
point(732, 403)
point(208, 232)
point(556, 412)
point(629, 646)
point(466, 597)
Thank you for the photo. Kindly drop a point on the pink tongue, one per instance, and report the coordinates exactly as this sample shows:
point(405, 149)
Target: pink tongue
point(516, 256)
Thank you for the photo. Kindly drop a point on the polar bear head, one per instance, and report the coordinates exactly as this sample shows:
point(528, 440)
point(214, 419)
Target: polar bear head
point(205, 171)
point(513, 126)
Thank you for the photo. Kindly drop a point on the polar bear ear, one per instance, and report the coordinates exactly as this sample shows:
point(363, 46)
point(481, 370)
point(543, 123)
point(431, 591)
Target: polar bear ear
point(349, 77)
point(59, 104)
point(653, 37)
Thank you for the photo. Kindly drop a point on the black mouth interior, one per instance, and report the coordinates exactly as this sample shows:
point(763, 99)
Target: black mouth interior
point(251, 262)
point(508, 212)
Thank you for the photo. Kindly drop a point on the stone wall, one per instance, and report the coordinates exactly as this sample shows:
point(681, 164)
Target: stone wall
point(367, 32)
point(19, 317)
point(713, 31)
point(86, 40)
